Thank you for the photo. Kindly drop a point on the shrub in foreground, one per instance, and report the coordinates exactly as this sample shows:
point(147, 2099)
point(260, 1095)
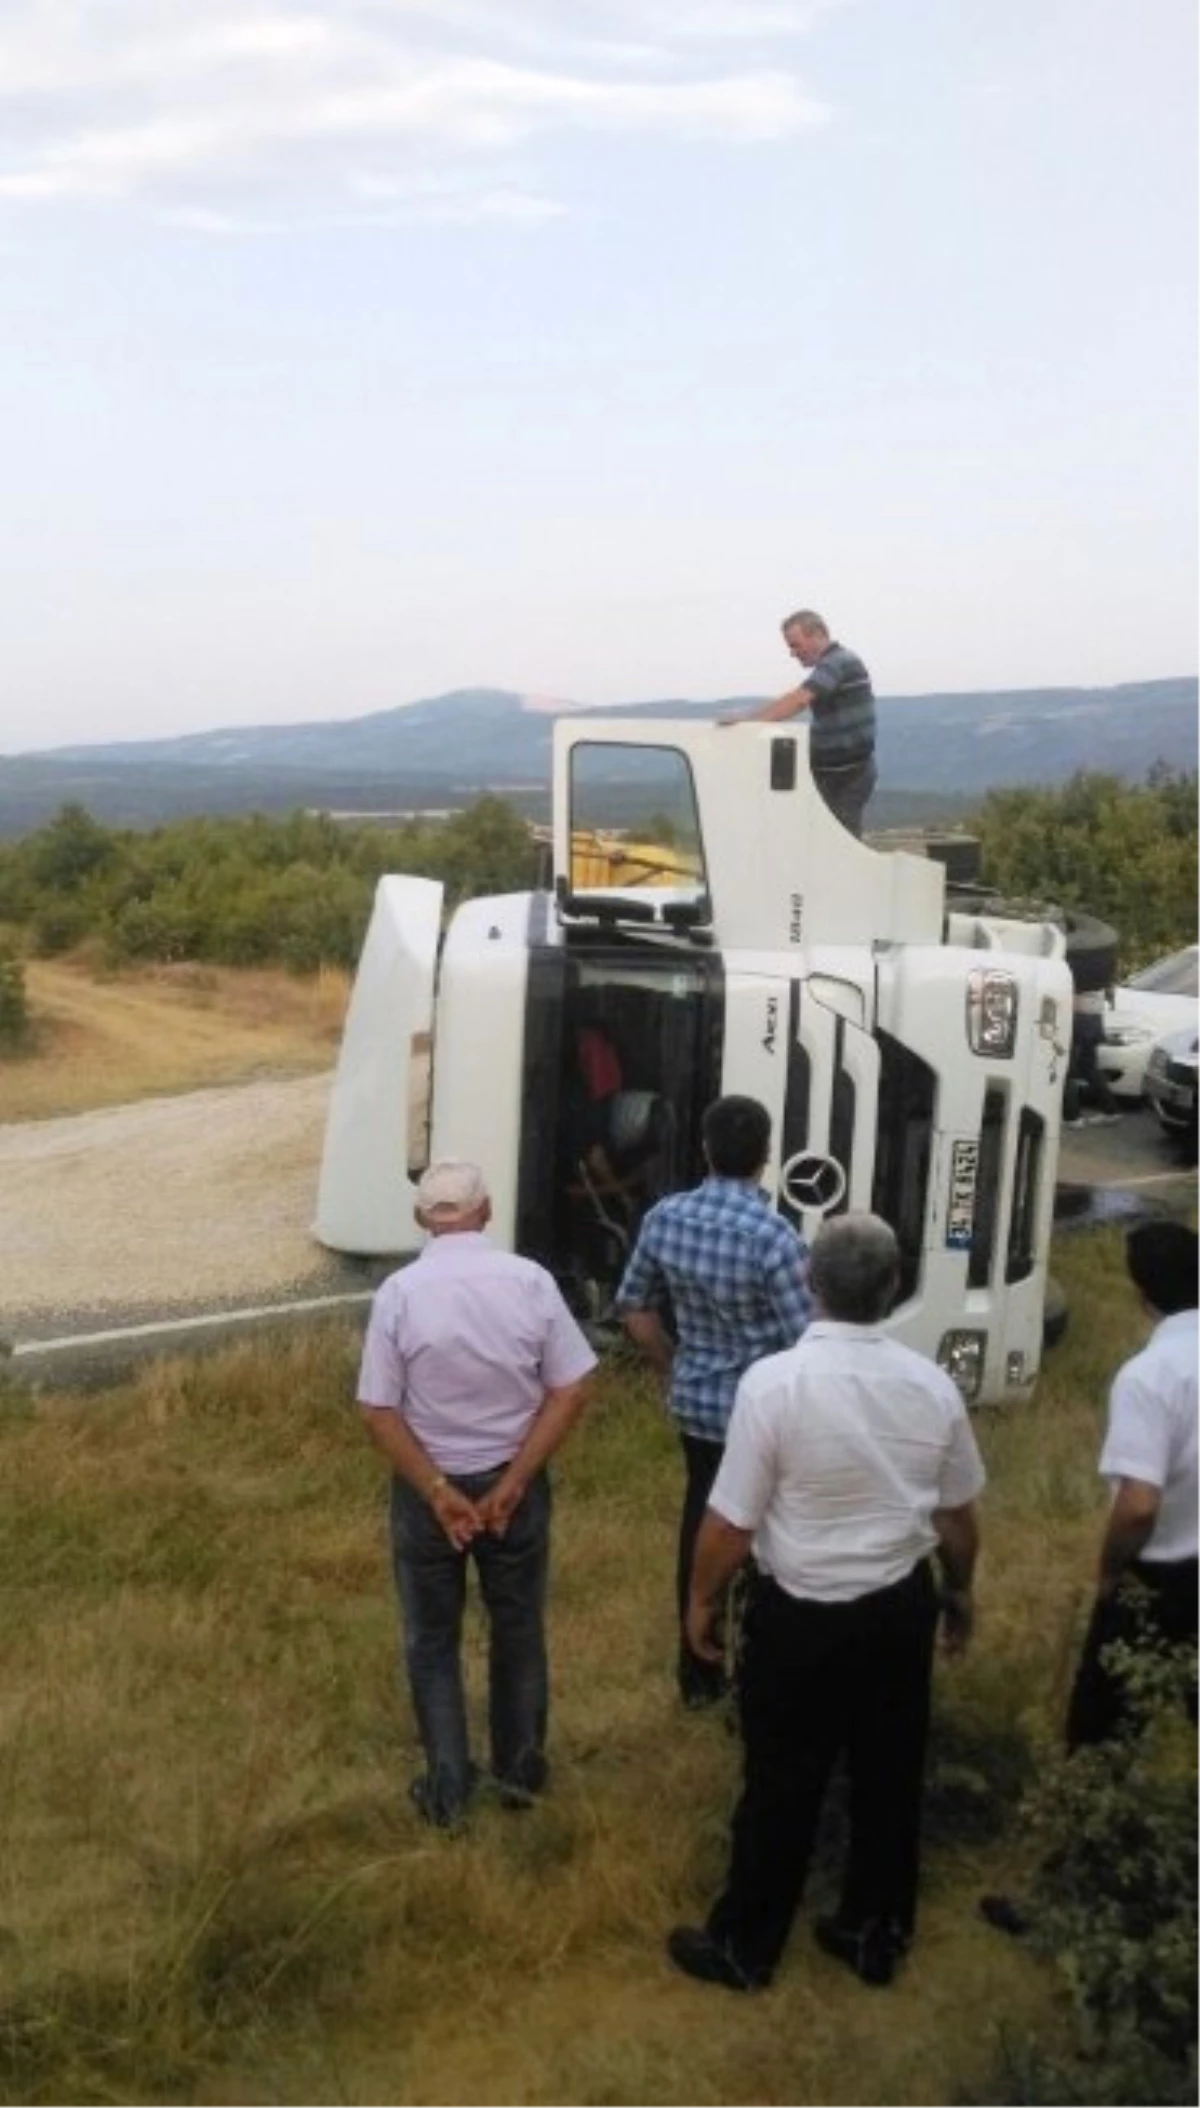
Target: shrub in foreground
point(14, 1008)
point(1113, 1905)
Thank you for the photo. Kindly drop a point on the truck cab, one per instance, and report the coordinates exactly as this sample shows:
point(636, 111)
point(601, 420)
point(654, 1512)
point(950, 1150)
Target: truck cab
point(708, 927)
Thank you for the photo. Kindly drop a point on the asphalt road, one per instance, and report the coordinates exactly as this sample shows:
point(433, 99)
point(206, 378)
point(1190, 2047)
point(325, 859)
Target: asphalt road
point(1132, 1159)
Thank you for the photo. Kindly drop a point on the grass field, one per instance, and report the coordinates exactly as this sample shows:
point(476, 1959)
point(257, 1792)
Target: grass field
point(105, 1039)
point(212, 1887)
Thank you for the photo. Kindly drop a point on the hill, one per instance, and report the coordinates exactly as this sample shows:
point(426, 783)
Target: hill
point(937, 753)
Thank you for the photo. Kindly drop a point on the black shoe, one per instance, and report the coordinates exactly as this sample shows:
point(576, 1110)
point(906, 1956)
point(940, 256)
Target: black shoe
point(871, 1950)
point(437, 1809)
point(515, 1797)
point(698, 1954)
point(1006, 1915)
point(524, 1785)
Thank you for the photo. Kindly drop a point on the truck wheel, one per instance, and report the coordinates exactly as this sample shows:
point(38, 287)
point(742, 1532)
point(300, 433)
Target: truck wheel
point(958, 854)
point(1055, 1314)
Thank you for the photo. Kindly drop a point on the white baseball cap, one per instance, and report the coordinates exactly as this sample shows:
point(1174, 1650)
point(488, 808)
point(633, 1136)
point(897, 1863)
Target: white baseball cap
point(450, 1187)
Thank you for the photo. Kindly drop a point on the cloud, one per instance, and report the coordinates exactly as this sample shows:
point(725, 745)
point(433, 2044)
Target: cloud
point(232, 113)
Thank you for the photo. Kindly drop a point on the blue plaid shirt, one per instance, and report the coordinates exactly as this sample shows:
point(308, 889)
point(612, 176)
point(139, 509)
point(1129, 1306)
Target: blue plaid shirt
point(735, 1275)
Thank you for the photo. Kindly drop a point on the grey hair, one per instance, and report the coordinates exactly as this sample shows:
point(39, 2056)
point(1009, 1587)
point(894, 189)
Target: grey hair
point(806, 619)
point(854, 1268)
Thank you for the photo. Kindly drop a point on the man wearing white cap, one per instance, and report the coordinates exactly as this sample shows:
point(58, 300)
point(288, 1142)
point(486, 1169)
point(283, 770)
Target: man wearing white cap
point(472, 1373)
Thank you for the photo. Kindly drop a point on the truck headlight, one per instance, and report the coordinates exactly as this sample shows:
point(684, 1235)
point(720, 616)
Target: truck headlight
point(992, 1002)
point(961, 1355)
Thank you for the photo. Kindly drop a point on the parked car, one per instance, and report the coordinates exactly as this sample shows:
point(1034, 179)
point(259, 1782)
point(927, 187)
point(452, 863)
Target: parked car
point(1171, 1082)
point(1162, 998)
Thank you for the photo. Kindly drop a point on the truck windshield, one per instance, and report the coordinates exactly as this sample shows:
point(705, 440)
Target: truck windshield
point(634, 821)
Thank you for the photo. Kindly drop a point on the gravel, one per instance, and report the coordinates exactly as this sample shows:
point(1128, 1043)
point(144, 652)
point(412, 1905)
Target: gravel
point(167, 1207)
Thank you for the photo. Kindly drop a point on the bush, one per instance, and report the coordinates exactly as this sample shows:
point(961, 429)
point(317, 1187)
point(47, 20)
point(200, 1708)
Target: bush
point(1113, 1904)
point(244, 892)
point(14, 1007)
point(1125, 852)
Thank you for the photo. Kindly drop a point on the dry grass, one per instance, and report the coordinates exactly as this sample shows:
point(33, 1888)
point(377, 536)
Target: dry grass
point(105, 1039)
point(211, 1885)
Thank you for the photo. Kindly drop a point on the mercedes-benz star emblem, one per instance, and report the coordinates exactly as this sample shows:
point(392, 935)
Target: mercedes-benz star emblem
point(816, 1182)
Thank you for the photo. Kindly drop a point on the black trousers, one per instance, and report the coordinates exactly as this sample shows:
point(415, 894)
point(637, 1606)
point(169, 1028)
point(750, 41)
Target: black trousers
point(1087, 1037)
point(847, 789)
point(1163, 1609)
point(818, 1680)
point(701, 1463)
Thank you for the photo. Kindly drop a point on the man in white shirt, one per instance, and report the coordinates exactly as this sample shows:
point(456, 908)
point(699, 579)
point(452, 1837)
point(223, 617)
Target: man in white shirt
point(1149, 1460)
point(850, 1461)
point(473, 1371)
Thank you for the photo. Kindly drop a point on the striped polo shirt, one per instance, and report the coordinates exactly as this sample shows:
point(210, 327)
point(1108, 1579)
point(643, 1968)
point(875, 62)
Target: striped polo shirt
point(842, 710)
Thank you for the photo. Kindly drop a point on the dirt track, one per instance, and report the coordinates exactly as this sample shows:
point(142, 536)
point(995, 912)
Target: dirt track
point(203, 1203)
point(170, 1205)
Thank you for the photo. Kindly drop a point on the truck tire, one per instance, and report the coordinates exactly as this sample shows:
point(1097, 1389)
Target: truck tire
point(958, 854)
point(1055, 1314)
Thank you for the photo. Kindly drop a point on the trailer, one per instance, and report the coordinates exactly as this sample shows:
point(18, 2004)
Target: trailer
point(911, 1055)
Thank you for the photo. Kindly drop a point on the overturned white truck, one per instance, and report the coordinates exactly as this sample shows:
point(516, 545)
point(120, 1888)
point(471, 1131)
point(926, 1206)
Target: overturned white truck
point(711, 928)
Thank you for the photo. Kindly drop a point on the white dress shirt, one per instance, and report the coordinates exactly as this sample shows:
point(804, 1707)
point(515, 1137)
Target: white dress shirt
point(1152, 1411)
point(839, 1451)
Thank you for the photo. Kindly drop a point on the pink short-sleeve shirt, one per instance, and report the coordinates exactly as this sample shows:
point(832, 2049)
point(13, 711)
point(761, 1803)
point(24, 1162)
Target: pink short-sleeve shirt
point(464, 1343)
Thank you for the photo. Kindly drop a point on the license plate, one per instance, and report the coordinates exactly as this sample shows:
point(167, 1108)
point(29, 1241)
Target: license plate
point(960, 1211)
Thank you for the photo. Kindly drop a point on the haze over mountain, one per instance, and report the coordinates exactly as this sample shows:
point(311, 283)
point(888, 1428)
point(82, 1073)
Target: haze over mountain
point(937, 753)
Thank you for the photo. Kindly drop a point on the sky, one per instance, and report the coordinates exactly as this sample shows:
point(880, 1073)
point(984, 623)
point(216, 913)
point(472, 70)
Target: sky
point(354, 351)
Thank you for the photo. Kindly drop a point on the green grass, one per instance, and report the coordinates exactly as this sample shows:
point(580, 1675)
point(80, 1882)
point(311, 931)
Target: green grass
point(212, 1887)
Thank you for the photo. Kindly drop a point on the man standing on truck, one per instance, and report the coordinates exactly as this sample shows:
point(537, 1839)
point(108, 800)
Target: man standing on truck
point(715, 1280)
point(473, 1372)
point(837, 693)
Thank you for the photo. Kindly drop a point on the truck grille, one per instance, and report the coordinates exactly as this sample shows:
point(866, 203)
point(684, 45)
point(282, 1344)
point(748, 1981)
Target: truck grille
point(1027, 1184)
point(904, 1143)
point(987, 1188)
point(1019, 1248)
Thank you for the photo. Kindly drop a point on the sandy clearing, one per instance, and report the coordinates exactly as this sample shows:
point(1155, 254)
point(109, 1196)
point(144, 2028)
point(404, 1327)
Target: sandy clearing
point(172, 1204)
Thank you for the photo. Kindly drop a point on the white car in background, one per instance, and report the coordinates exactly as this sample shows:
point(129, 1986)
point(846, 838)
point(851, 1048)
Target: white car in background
point(1171, 1085)
point(1161, 998)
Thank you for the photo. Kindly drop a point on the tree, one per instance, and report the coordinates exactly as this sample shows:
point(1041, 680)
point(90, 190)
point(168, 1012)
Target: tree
point(1125, 852)
point(70, 850)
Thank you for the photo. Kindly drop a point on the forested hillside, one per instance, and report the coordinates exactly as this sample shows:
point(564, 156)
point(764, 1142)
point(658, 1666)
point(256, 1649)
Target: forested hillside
point(297, 891)
point(241, 892)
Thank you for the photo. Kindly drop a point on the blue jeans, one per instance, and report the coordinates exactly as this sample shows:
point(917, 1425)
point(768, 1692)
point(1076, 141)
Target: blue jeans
point(431, 1578)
